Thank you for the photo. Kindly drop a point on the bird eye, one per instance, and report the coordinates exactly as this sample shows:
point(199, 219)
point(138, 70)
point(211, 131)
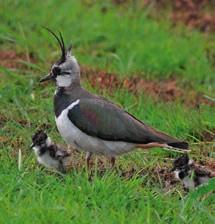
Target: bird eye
point(56, 71)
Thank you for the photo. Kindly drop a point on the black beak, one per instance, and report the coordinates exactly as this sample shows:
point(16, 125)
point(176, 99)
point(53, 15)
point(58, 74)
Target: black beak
point(48, 77)
point(32, 145)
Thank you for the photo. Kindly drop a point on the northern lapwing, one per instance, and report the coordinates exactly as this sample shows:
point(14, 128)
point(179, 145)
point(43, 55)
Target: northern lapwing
point(189, 173)
point(49, 154)
point(91, 123)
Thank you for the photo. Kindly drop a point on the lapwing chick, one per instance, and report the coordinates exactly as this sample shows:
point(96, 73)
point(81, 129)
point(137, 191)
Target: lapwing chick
point(190, 174)
point(93, 124)
point(49, 154)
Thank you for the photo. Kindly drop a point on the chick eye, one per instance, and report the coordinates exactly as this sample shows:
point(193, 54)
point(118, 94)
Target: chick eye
point(41, 141)
point(56, 71)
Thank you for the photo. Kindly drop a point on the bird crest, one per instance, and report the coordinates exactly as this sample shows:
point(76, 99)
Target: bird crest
point(65, 52)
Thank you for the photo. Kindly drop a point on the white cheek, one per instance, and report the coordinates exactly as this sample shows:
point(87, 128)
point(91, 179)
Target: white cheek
point(176, 172)
point(48, 142)
point(36, 150)
point(63, 80)
point(190, 162)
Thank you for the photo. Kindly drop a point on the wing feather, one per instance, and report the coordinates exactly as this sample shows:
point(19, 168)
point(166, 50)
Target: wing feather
point(99, 118)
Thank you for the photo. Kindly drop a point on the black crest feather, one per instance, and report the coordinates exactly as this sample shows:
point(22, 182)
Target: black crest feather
point(60, 42)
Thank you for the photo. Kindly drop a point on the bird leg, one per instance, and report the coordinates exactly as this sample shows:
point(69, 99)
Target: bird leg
point(61, 167)
point(88, 157)
point(112, 160)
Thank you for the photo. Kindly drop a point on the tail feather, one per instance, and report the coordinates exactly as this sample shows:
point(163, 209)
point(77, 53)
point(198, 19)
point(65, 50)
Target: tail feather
point(153, 135)
point(161, 137)
point(179, 145)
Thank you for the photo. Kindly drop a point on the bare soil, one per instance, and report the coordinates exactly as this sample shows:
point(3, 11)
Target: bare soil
point(11, 59)
point(208, 135)
point(195, 14)
point(166, 90)
point(198, 14)
point(160, 174)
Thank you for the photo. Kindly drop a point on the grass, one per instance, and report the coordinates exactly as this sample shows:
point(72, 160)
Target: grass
point(127, 42)
point(146, 47)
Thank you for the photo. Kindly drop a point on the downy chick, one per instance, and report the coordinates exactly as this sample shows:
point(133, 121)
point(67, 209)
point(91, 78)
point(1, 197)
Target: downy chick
point(190, 174)
point(49, 154)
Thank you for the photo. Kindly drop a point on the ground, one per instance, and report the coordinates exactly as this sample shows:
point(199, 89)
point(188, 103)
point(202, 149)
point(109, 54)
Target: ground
point(156, 60)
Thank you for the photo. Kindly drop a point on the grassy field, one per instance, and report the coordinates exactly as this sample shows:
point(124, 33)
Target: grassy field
point(123, 41)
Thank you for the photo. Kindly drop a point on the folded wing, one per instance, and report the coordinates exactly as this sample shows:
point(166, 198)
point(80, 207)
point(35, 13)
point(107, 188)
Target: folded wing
point(99, 118)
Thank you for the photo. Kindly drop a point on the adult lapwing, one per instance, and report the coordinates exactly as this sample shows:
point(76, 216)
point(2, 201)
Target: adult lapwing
point(91, 123)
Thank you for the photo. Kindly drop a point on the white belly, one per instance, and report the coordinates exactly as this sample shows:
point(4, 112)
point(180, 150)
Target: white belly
point(47, 161)
point(78, 139)
point(189, 182)
point(203, 180)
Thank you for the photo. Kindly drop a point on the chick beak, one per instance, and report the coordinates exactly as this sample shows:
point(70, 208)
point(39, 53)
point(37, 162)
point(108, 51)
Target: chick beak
point(32, 145)
point(48, 77)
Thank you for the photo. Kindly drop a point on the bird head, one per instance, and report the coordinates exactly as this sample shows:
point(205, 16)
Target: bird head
point(66, 70)
point(181, 166)
point(40, 140)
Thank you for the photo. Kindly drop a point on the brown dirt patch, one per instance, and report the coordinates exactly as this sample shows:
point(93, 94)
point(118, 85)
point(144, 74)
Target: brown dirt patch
point(166, 90)
point(208, 164)
point(17, 142)
point(159, 174)
point(193, 13)
point(12, 59)
point(208, 135)
point(205, 135)
point(102, 79)
point(3, 120)
point(211, 168)
point(4, 139)
point(165, 176)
